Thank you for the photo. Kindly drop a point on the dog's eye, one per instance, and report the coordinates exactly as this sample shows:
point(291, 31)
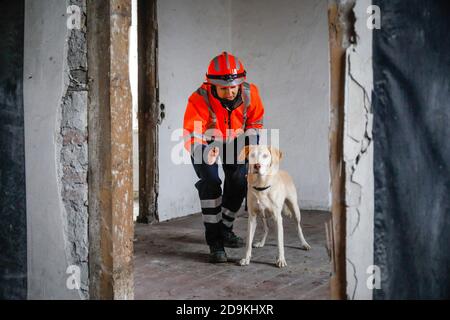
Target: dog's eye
point(252, 155)
point(265, 156)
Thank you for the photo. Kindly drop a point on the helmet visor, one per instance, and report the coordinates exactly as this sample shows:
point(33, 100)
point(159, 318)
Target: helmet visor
point(226, 80)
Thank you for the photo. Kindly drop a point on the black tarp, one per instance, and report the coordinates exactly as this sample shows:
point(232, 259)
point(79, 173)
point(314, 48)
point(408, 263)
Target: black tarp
point(411, 104)
point(13, 236)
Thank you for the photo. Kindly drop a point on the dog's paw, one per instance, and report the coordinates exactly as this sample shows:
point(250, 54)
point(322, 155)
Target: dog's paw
point(244, 262)
point(259, 244)
point(281, 263)
point(305, 246)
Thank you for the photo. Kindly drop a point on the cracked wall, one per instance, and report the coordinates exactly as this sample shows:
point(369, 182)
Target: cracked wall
point(358, 157)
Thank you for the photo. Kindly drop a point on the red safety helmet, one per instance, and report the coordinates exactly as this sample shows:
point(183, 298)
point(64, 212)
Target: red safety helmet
point(225, 70)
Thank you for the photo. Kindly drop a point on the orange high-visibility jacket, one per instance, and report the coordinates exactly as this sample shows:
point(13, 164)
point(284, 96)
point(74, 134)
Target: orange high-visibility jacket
point(205, 119)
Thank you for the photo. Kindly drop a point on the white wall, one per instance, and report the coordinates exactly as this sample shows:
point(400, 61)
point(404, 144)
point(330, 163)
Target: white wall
point(191, 32)
point(284, 46)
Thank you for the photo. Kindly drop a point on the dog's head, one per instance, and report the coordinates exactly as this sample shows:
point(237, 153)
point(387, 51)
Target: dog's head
point(262, 160)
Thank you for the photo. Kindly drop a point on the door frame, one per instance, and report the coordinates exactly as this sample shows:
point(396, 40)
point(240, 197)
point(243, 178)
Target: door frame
point(149, 114)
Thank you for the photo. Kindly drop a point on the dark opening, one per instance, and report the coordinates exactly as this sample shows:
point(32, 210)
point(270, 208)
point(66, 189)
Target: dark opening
point(13, 228)
point(411, 158)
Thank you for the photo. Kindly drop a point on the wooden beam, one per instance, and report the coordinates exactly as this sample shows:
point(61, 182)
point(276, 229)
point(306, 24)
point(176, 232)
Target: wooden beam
point(338, 281)
point(110, 201)
point(148, 110)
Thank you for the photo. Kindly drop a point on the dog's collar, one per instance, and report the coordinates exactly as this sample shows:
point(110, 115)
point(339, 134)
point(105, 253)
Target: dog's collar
point(261, 189)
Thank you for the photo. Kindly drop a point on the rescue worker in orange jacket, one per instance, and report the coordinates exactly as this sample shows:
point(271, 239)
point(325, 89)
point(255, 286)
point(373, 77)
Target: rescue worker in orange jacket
point(223, 115)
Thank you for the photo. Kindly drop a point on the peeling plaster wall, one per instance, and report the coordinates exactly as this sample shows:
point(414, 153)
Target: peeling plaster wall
point(72, 141)
point(55, 104)
point(358, 157)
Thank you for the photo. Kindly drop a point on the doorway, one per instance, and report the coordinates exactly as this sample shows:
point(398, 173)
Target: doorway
point(176, 40)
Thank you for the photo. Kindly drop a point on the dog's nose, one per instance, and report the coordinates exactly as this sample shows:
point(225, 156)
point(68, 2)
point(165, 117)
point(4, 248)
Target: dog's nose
point(257, 166)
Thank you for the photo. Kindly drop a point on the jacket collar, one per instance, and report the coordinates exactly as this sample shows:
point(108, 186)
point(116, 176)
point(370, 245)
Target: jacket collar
point(227, 104)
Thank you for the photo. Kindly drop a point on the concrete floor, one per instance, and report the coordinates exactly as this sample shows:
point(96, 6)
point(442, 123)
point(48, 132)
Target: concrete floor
point(171, 263)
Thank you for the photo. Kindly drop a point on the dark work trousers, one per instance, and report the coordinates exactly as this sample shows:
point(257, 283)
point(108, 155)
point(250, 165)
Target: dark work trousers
point(219, 209)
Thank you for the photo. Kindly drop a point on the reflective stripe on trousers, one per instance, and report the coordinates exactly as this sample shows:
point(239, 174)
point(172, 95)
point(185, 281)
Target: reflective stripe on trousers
point(214, 204)
point(218, 207)
point(228, 217)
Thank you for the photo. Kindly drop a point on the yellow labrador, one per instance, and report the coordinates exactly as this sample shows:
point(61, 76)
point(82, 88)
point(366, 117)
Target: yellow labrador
point(270, 191)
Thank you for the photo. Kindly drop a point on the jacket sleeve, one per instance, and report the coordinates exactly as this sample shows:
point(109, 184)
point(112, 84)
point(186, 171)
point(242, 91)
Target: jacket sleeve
point(255, 116)
point(194, 124)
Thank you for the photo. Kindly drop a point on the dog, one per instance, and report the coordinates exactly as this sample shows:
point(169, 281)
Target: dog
point(270, 192)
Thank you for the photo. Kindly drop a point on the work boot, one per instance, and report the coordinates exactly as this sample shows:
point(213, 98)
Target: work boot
point(217, 254)
point(230, 240)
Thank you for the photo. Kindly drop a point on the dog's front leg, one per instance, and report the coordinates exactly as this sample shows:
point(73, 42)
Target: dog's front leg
point(261, 243)
point(250, 234)
point(281, 261)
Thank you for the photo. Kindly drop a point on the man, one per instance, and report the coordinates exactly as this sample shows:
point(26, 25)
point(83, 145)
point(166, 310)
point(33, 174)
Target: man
point(221, 116)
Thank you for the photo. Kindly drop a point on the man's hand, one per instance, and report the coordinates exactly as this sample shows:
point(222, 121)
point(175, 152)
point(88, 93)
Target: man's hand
point(212, 155)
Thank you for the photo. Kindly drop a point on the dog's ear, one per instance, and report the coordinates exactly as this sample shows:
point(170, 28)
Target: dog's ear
point(277, 155)
point(244, 153)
